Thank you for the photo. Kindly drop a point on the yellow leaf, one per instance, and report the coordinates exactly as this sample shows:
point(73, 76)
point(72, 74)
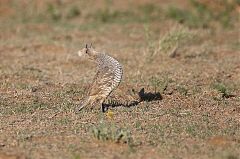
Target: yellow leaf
point(109, 114)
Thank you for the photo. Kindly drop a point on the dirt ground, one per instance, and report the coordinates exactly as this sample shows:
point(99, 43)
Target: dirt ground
point(183, 54)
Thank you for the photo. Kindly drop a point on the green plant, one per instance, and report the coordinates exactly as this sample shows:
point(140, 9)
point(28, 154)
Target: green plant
point(76, 156)
point(73, 12)
point(148, 8)
point(107, 15)
point(174, 39)
point(54, 12)
point(231, 156)
point(201, 15)
point(149, 12)
point(220, 87)
point(151, 44)
point(182, 90)
point(144, 13)
point(160, 85)
point(183, 16)
point(106, 131)
point(191, 129)
point(30, 107)
point(64, 121)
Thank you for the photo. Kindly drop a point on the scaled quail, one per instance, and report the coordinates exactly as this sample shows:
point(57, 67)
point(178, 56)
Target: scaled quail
point(108, 76)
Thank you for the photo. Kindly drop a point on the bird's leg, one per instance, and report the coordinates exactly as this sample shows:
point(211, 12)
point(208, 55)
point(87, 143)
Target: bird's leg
point(102, 108)
point(102, 105)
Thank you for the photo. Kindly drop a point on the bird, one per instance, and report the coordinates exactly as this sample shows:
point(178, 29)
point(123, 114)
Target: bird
point(106, 80)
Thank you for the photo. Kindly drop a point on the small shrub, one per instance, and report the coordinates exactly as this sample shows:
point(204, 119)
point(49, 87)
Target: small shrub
point(30, 106)
point(54, 13)
point(231, 157)
point(110, 16)
point(106, 131)
point(148, 8)
point(175, 38)
point(191, 129)
point(201, 15)
point(151, 44)
point(73, 12)
point(149, 12)
point(182, 90)
point(183, 16)
point(160, 85)
point(64, 121)
point(142, 14)
point(220, 87)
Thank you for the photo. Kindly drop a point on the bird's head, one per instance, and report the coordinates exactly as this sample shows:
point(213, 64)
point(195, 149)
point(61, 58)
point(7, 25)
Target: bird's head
point(88, 52)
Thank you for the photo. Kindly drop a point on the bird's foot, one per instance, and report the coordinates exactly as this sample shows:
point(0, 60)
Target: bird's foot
point(104, 108)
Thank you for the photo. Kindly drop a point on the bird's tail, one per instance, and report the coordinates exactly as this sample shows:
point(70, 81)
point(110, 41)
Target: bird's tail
point(82, 104)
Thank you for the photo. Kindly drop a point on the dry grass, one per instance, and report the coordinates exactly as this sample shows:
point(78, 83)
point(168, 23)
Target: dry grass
point(191, 78)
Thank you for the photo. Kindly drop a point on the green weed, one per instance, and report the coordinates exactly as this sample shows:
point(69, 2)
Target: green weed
point(192, 130)
point(182, 90)
point(159, 85)
point(201, 16)
point(170, 43)
point(144, 13)
point(231, 157)
point(175, 39)
point(64, 121)
point(151, 44)
point(112, 16)
point(73, 12)
point(149, 12)
point(54, 12)
point(29, 107)
point(77, 157)
point(220, 87)
point(106, 131)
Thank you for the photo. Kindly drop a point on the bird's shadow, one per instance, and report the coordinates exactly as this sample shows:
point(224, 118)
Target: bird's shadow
point(143, 96)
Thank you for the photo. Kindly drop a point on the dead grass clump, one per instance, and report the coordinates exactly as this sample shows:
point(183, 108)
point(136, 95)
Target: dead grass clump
point(176, 38)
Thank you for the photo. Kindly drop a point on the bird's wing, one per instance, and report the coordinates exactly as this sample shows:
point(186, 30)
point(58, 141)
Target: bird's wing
point(102, 82)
